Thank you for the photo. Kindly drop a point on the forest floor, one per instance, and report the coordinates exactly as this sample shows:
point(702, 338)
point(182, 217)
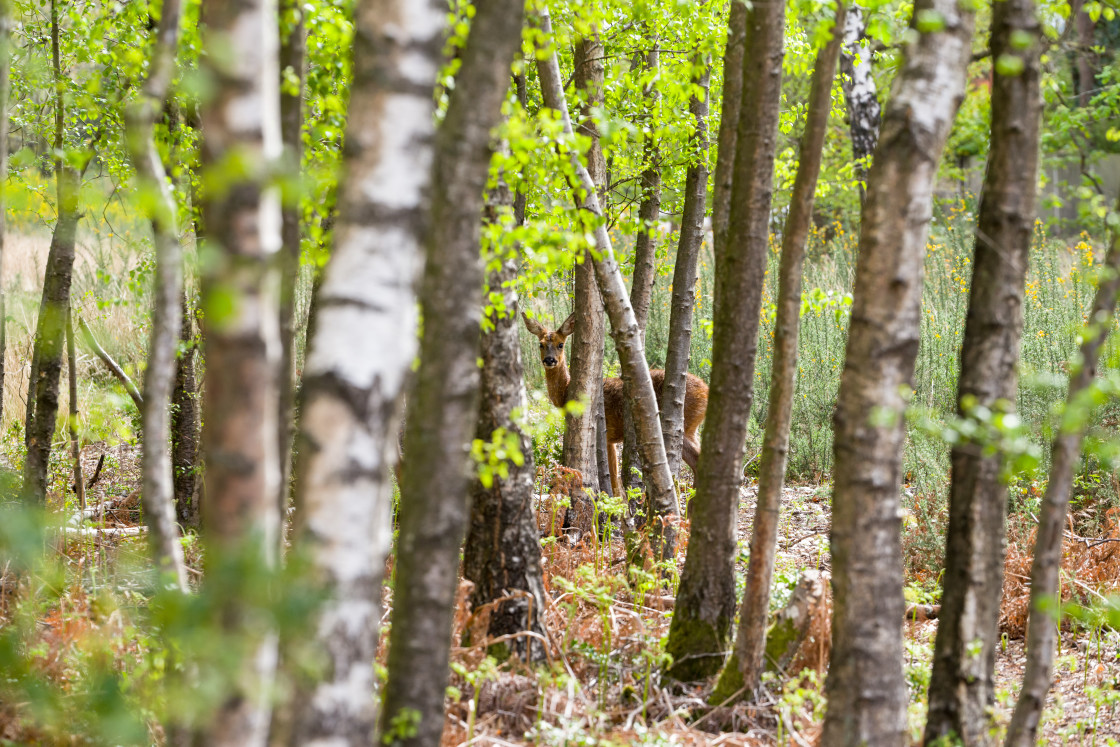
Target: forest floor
point(606, 636)
point(605, 633)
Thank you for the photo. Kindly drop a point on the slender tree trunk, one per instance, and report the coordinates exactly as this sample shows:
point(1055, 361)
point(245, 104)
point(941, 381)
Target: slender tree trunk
point(363, 342)
point(645, 249)
point(860, 93)
point(1064, 456)
point(50, 328)
point(700, 630)
point(865, 687)
point(684, 281)
point(750, 642)
point(242, 346)
point(186, 424)
point(442, 408)
point(586, 370)
point(158, 488)
point(503, 550)
point(72, 375)
point(5, 67)
point(292, 57)
point(728, 124)
point(624, 328)
point(961, 692)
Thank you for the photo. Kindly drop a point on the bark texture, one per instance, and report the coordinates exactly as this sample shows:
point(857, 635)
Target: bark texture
point(292, 57)
point(5, 85)
point(580, 431)
point(186, 424)
point(684, 282)
point(961, 693)
point(241, 342)
point(865, 686)
point(624, 328)
point(728, 123)
point(503, 550)
point(363, 342)
point(72, 421)
point(442, 408)
point(750, 642)
point(645, 254)
point(50, 327)
point(1064, 456)
point(158, 486)
point(860, 93)
point(699, 635)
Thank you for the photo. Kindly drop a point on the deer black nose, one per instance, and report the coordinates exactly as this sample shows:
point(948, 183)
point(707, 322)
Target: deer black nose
point(549, 361)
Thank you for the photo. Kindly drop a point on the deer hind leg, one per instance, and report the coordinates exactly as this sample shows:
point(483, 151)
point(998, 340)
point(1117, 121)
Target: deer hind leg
point(691, 452)
point(612, 461)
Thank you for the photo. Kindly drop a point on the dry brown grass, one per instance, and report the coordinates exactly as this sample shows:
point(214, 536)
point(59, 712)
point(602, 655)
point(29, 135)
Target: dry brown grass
point(102, 296)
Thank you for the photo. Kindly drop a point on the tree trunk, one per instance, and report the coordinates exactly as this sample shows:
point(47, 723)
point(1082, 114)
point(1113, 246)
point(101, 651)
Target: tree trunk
point(645, 254)
point(292, 56)
point(705, 607)
point(157, 491)
point(186, 425)
point(442, 408)
point(50, 328)
point(72, 375)
point(961, 692)
point(750, 641)
point(242, 346)
point(865, 687)
point(684, 281)
point(503, 550)
point(5, 67)
point(624, 328)
point(586, 382)
point(1064, 456)
point(363, 342)
point(728, 124)
point(860, 93)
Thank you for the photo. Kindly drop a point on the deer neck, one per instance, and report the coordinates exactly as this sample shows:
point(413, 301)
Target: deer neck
point(557, 378)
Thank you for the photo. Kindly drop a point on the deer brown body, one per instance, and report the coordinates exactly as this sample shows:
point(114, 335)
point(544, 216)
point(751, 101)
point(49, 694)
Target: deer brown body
point(557, 378)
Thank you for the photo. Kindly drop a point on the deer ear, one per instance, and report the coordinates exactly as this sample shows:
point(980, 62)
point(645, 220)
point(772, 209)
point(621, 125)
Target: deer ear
point(533, 325)
point(569, 326)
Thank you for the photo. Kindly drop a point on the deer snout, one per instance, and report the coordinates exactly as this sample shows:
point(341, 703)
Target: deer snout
point(549, 361)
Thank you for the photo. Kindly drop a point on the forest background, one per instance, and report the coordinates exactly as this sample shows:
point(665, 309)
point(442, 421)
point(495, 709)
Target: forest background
point(102, 648)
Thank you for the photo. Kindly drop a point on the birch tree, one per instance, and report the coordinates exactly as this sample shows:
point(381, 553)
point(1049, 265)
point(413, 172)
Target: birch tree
point(645, 256)
point(699, 635)
point(750, 640)
point(684, 278)
point(624, 328)
point(241, 127)
point(962, 691)
point(362, 345)
point(860, 92)
point(587, 343)
point(158, 491)
point(1065, 452)
point(503, 551)
point(50, 326)
point(865, 687)
point(292, 64)
point(442, 407)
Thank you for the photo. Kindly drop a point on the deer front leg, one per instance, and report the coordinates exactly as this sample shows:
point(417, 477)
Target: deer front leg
point(612, 461)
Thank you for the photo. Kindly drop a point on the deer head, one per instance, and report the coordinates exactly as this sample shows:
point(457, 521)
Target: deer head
point(552, 342)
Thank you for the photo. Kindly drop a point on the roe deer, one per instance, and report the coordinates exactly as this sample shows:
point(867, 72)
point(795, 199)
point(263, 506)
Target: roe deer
point(556, 376)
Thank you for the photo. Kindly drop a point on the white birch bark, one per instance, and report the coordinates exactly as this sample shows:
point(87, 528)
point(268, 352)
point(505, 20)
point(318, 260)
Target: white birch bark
point(624, 326)
point(241, 124)
point(158, 493)
point(362, 346)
